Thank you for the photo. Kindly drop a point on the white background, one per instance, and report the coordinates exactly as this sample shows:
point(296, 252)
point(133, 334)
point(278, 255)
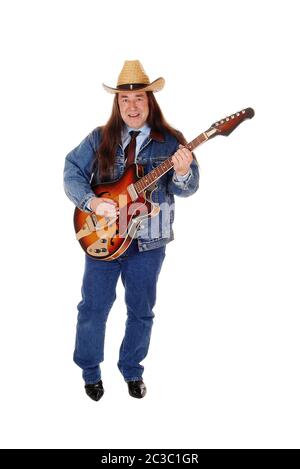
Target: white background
point(223, 365)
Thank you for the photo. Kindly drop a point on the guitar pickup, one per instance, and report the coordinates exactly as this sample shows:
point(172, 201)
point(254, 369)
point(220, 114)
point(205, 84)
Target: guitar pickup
point(132, 192)
point(89, 226)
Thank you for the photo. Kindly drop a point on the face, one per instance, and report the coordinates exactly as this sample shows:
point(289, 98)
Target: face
point(134, 108)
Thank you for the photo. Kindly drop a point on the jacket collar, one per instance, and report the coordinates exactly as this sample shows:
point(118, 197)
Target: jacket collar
point(156, 135)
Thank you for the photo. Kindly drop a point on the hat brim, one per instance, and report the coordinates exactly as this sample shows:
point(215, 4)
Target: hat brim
point(155, 86)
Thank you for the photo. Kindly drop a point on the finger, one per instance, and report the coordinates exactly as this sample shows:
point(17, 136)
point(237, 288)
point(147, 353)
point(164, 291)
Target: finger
point(105, 207)
point(109, 201)
point(186, 152)
point(99, 211)
point(109, 214)
point(187, 157)
point(175, 160)
point(180, 154)
point(182, 159)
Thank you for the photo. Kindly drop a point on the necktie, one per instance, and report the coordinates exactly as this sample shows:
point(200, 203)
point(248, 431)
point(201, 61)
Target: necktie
point(130, 149)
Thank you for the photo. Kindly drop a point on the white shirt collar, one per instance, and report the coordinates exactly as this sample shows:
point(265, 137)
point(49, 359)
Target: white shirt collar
point(145, 130)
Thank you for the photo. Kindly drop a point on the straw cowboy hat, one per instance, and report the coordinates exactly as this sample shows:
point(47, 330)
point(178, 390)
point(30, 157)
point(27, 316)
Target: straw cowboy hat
point(133, 77)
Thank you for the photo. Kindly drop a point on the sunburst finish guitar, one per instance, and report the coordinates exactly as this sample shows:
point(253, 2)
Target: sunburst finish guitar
point(105, 238)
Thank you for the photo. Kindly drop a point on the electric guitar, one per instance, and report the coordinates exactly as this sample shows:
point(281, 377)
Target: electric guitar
point(106, 238)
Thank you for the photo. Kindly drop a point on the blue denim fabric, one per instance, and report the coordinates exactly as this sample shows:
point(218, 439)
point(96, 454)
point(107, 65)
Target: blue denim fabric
point(139, 273)
point(154, 232)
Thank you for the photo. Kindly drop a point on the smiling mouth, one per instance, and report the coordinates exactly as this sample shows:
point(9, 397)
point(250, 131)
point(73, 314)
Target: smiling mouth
point(133, 115)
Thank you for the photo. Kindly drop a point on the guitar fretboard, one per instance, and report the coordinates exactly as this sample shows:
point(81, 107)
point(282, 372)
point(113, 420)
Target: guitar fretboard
point(154, 175)
point(197, 141)
point(163, 168)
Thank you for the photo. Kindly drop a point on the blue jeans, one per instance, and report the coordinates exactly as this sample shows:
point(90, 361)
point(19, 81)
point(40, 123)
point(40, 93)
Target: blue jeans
point(139, 273)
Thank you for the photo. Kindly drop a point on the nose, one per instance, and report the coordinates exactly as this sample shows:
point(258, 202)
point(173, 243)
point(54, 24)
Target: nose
point(132, 105)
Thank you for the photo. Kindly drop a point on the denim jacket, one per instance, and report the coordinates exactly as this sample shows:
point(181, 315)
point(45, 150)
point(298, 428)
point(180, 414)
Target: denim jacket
point(79, 179)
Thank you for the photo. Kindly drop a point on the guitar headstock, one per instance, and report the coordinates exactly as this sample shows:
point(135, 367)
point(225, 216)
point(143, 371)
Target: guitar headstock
point(228, 124)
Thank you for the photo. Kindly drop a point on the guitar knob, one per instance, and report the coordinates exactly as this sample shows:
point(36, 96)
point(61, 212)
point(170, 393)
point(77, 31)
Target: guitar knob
point(103, 240)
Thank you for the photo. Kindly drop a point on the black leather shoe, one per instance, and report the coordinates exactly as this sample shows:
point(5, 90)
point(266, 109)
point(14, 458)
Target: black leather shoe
point(137, 388)
point(94, 391)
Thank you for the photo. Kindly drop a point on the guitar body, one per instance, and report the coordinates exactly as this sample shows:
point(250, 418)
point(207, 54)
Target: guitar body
point(106, 238)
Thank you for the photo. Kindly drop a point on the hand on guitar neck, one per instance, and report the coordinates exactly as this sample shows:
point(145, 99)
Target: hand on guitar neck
point(182, 160)
point(104, 206)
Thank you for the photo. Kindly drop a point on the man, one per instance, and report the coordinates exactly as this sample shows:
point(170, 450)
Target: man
point(136, 132)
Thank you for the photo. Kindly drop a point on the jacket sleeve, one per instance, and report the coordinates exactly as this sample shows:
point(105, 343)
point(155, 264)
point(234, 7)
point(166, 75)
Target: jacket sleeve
point(78, 173)
point(184, 186)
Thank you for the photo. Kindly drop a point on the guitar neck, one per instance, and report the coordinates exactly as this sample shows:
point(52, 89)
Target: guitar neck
point(222, 127)
point(146, 181)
